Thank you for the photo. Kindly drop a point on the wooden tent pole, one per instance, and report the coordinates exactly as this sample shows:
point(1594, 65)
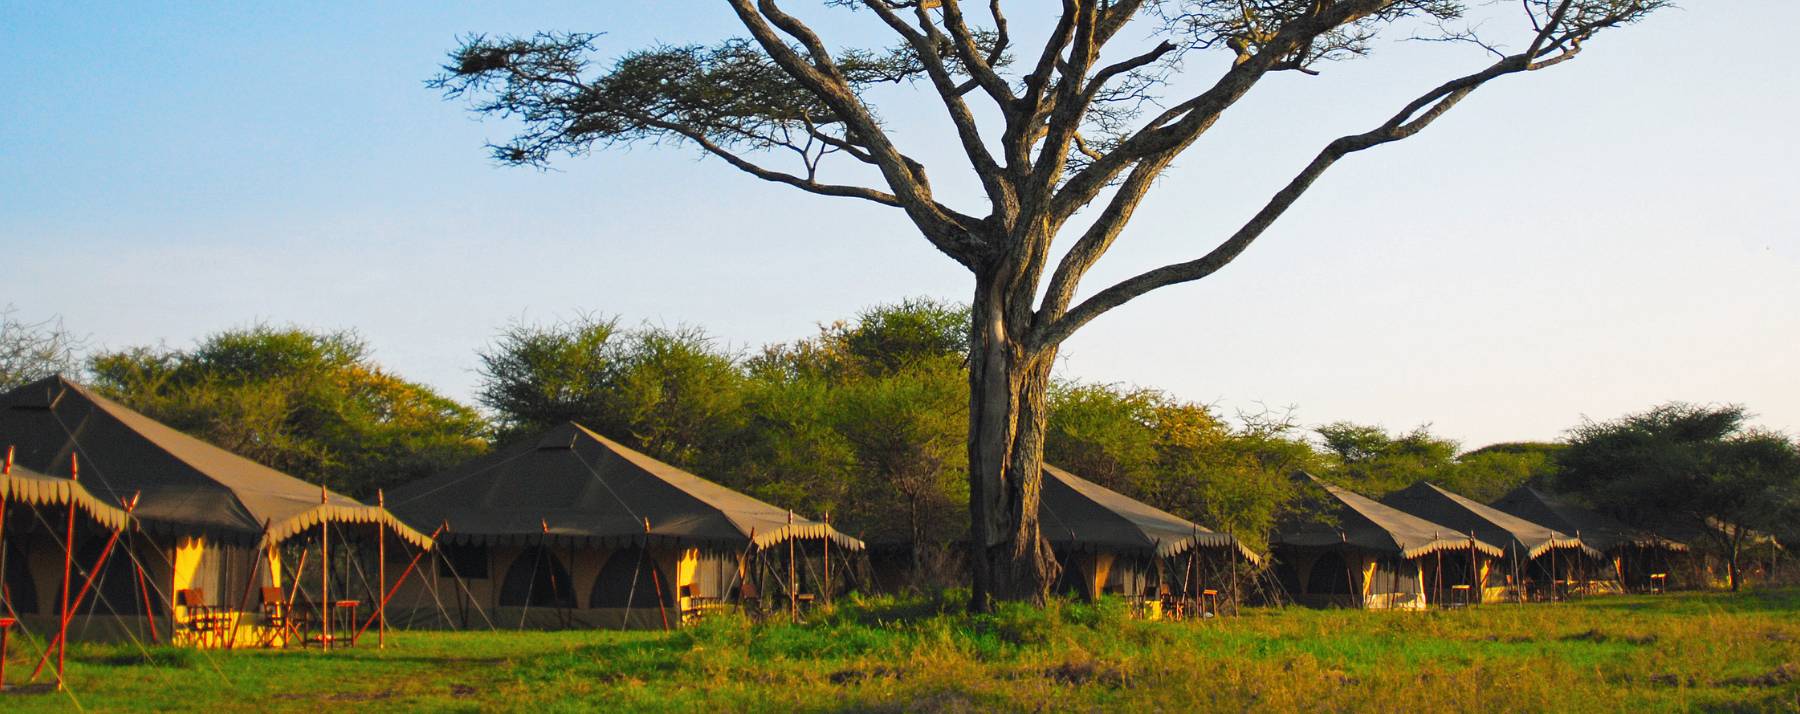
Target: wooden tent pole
point(68, 563)
point(381, 569)
point(1476, 586)
point(144, 590)
point(1437, 587)
point(826, 540)
point(1553, 573)
point(793, 586)
point(743, 573)
point(324, 572)
point(656, 579)
point(5, 593)
point(1231, 555)
point(381, 608)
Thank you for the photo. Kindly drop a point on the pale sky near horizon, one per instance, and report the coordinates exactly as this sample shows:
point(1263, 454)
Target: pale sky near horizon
point(1590, 240)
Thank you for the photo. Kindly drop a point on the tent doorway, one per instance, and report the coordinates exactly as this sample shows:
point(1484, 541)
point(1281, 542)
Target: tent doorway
point(629, 579)
point(537, 578)
point(1330, 576)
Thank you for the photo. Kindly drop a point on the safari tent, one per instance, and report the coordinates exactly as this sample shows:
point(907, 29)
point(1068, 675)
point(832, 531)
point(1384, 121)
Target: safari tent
point(570, 529)
point(1538, 560)
point(1108, 542)
point(212, 549)
point(1630, 557)
point(1356, 552)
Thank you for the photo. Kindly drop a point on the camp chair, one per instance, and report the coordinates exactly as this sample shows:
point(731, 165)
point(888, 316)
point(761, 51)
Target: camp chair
point(1171, 605)
point(205, 622)
point(279, 618)
point(696, 606)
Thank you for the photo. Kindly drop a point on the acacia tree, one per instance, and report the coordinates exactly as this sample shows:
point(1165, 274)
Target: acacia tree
point(1077, 122)
point(1702, 466)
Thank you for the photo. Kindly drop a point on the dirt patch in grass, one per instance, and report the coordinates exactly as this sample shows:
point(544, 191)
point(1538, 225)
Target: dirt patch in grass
point(1776, 677)
point(1598, 637)
point(858, 676)
point(1083, 673)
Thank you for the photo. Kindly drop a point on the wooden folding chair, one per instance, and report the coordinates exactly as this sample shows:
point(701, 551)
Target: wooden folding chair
point(278, 618)
point(206, 623)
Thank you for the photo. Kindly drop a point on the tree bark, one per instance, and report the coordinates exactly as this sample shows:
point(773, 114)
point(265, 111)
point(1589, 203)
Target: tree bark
point(1008, 384)
point(1734, 552)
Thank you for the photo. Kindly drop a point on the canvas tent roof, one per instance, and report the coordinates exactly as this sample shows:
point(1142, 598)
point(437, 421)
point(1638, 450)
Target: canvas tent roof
point(1596, 530)
point(1079, 514)
point(186, 485)
point(1511, 533)
point(1368, 525)
point(573, 484)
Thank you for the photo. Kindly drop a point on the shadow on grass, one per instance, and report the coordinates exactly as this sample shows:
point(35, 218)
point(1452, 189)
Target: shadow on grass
point(1785, 600)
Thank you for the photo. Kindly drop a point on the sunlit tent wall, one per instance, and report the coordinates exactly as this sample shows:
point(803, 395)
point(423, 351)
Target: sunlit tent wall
point(210, 530)
point(569, 529)
point(1109, 543)
point(1538, 560)
point(1629, 557)
point(1355, 552)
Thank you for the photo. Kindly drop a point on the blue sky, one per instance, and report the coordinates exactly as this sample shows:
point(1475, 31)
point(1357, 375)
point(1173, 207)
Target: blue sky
point(1591, 240)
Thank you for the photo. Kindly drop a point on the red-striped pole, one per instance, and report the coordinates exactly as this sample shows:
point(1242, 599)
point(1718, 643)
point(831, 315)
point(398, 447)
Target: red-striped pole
point(62, 634)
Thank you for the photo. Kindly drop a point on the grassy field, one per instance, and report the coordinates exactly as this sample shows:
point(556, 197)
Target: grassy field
point(1697, 651)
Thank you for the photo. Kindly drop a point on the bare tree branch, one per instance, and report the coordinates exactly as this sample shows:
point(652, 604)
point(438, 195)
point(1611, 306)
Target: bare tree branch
point(1553, 45)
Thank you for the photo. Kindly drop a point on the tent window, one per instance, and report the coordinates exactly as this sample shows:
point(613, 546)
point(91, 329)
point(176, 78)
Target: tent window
point(537, 578)
point(1330, 576)
point(21, 590)
point(626, 579)
point(469, 561)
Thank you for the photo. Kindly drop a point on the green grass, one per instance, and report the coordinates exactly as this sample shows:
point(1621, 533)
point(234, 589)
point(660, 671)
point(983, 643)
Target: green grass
point(1695, 651)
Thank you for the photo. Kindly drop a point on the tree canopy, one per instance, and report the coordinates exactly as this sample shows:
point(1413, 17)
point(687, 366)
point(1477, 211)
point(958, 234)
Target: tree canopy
point(1701, 465)
point(312, 404)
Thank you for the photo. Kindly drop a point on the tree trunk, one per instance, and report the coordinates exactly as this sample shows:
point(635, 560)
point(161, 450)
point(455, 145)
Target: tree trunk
point(1008, 556)
point(1733, 575)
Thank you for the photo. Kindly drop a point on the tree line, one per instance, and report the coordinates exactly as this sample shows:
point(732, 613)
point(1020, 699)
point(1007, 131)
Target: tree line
point(866, 421)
